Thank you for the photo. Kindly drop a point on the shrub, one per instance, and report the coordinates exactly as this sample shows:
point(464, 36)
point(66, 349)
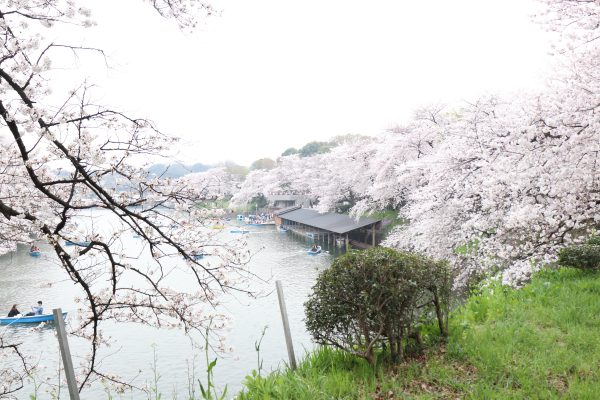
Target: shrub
point(594, 240)
point(585, 256)
point(375, 297)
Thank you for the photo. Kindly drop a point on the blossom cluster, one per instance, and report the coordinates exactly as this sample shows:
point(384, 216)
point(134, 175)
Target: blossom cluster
point(496, 184)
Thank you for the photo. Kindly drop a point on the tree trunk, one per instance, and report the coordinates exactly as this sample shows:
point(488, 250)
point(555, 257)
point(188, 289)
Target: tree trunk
point(390, 338)
point(400, 350)
point(442, 319)
point(364, 327)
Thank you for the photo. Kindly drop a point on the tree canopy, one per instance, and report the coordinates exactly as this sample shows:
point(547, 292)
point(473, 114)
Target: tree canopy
point(262, 163)
point(289, 151)
point(58, 147)
point(377, 296)
point(498, 183)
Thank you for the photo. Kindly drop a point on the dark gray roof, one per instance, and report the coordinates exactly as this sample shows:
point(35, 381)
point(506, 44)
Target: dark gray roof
point(292, 208)
point(338, 223)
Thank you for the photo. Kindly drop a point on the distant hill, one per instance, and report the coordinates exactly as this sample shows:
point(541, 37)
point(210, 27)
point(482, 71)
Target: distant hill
point(176, 170)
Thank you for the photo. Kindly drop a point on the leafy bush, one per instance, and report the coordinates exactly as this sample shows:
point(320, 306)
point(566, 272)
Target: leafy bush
point(594, 240)
point(585, 256)
point(375, 297)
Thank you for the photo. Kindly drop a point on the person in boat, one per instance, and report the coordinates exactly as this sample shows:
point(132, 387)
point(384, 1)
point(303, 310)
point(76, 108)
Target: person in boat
point(13, 311)
point(34, 248)
point(314, 247)
point(36, 310)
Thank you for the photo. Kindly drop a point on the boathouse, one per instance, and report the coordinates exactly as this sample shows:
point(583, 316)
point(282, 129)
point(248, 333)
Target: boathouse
point(333, 228)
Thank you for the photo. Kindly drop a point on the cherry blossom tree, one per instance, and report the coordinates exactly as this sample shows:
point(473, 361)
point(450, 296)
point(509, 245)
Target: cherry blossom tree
point(216, 183)
point(395, 166)
point(292, 175)
point(497, 185)
point(62, 154)
point(333, 187)
point(323, 178)
point(515, 179)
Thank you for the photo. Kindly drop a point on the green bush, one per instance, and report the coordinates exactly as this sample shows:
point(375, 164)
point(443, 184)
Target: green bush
point(585, 256)
point(377, 297)
point(594, 240)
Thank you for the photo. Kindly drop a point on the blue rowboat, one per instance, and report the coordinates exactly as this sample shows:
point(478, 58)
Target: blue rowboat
point(196, 256)
point(34, 319)
point(314, 252)
point(36, 253)
point(73, 243)
point(239, 231)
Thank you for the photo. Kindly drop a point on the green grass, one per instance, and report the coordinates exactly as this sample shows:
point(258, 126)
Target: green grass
point(539, 342)
point(390, 215)
point(467, 248)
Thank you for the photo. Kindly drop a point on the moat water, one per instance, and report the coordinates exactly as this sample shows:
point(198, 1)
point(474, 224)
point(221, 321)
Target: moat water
point(279, 256)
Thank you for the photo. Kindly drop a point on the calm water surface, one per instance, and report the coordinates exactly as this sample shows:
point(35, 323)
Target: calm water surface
point(280, 256)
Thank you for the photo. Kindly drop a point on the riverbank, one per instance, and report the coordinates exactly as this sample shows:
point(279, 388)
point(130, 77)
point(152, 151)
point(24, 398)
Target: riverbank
point(541, 341)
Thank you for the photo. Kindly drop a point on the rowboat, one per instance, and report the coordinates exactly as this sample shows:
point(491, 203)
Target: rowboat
point(34, 319)
point(35, 253)
point(314, 252)
point(282, 229)
point(261, 224)
point(73, 243)
point(195, 255)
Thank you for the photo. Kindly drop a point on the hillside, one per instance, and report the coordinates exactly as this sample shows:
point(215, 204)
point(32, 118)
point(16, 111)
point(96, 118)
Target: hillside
point(176, 170)
point(541, 341)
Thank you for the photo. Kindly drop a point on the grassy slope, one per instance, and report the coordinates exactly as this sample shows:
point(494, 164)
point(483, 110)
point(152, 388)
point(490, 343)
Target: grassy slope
point(542, 341)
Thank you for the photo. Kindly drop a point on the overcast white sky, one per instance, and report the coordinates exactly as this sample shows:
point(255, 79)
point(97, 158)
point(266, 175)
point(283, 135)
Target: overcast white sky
point(271, 74)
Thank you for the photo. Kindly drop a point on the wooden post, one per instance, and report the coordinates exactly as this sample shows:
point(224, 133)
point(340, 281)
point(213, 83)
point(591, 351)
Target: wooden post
point(373, 233)
point(286, 326)
point(65, 353)
point(347, 243)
